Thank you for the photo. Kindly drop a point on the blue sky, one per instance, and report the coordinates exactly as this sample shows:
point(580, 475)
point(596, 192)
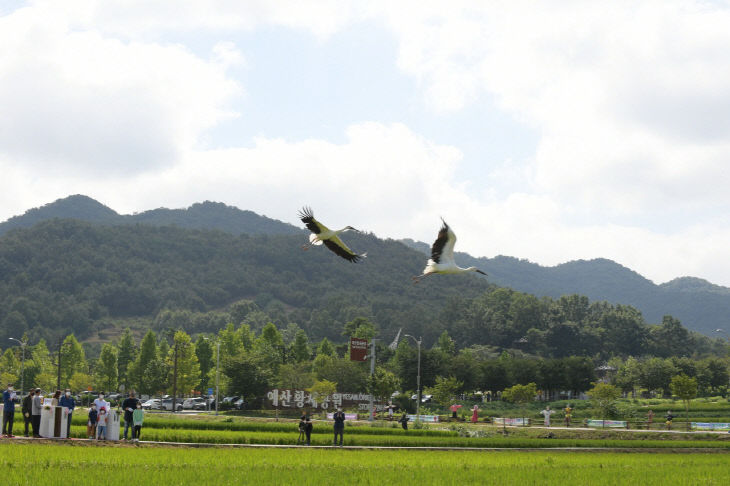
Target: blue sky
point(550, 131)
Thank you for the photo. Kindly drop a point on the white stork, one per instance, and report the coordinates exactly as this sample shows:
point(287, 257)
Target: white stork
point(442, 256)
point(322, 234)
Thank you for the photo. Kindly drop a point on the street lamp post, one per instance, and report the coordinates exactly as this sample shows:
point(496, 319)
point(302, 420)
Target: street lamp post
point(418, 377)
point(22, 364)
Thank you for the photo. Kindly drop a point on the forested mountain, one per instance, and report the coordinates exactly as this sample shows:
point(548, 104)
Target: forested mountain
point(700, 305)
point(206, 215)
point(68, 275)
point(63, 276)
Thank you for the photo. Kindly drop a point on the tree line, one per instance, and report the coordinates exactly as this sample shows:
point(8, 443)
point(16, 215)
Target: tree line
point(252, 362)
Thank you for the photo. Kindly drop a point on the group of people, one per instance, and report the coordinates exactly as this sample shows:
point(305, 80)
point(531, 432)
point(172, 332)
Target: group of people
point(98, 418)
point(31, 407)
point(306, 426)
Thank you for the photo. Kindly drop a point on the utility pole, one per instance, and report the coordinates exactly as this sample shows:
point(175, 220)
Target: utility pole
point(22, 364)
point(217, 371)
point(60, 349)
point(418, 377)
point(174, 380)
point(372, 379)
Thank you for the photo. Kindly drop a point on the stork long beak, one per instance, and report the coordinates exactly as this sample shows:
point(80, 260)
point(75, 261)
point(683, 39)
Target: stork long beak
point(479, 271)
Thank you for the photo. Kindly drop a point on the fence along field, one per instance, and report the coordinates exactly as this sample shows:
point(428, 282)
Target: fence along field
point(33, 464)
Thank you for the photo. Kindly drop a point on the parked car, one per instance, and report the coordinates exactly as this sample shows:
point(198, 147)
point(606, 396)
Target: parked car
point(239, 404)
point(152, 404)
point(229, 400)
point(167, 404)
point(194, 404)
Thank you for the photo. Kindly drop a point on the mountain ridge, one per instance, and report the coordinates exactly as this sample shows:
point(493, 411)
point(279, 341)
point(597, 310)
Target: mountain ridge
point(699, 304)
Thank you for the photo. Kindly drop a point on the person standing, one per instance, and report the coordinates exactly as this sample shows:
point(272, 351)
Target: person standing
point(308, 430)
point(129, 405)
point(137, 419)
point(56, 398)
point(36, 413)
point(8, 410)
point(91, 423)
point(68, 401)
point(670, 417)
point(339, 418)
point(101, 421)
point(27, 410)
point(100, 402)
point(547, 413)
point(454, 408)
point(649, 418)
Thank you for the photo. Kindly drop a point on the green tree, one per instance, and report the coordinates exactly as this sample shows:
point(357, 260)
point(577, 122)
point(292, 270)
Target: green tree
point(360, 327)
point(685, 388)
point(300, 347)
point(9, 368)
point(656, 374)
point(155, 378)
point(81, 381)
point(321, 389)
point(604, 396)
point(295, 376)
point(384, 383)
point(106, 371)
point(520, 395)
point(628, 376)
point(188, 368)
point(445, 390)
point(325, 348)
point(445, 344)
point(246, 376)
point(73, 359)
point(204, 352)
point(126, 355)
point(138, 369)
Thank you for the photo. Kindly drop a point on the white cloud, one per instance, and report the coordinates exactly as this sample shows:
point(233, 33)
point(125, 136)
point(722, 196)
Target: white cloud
point(80, 102)
point(630, 101)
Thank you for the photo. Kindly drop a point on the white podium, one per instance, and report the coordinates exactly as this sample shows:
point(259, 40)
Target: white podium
point(112, 428)
point(53, 422)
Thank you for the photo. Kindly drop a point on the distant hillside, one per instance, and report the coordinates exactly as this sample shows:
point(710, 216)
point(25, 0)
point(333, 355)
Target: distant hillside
point(206, 215)
point(698, 304)
point(72, 276)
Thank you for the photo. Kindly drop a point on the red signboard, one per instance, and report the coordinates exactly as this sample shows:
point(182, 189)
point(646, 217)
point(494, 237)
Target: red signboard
point(358, 349)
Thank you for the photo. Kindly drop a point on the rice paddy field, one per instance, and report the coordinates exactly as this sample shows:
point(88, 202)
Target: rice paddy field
point(71, 463)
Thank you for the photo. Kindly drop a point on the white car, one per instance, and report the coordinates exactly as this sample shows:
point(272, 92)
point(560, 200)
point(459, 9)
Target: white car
point(152, 404)
point(194, 404)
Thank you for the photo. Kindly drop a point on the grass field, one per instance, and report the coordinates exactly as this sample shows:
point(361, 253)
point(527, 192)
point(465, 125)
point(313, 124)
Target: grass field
point(51, 464)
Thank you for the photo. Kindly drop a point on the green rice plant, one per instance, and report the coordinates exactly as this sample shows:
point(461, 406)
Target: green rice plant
point(33, 464)
point(279, 438)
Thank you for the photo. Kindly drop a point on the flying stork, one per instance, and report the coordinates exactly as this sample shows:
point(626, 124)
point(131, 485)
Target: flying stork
point(322, 234)
point(442, 256)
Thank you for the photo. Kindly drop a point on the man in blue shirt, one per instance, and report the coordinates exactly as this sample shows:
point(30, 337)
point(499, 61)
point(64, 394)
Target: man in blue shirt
point(68, 401)
point(8, 411)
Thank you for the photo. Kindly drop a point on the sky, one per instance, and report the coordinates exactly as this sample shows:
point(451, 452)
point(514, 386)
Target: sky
point(548, 131)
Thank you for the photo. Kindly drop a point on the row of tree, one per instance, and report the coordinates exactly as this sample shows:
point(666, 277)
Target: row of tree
point(252, 362)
